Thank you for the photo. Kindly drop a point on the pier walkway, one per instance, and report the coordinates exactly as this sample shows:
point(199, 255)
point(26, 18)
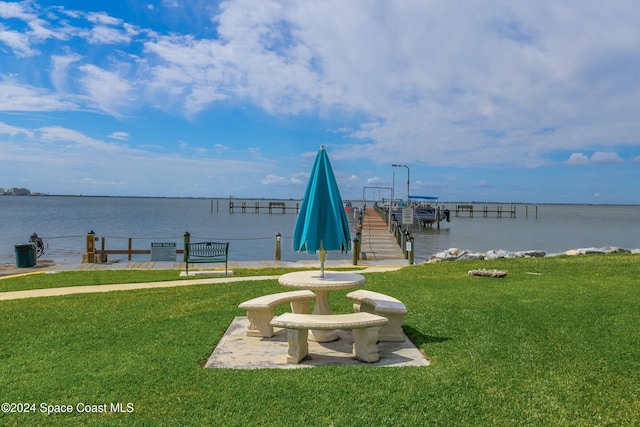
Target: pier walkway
point(377, 242)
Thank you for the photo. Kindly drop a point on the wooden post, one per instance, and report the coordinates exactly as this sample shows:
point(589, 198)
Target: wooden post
point(91, 246)
point(355, 251)
point(187, 240)
point(278, 242)
point(130, 248)
point(411, 250)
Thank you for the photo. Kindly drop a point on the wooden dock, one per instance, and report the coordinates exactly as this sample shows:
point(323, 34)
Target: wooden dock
point(271, 207)
point(498, 211)
point(377, 243)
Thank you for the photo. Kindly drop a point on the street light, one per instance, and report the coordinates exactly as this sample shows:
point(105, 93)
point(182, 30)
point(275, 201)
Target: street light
point(408, 176)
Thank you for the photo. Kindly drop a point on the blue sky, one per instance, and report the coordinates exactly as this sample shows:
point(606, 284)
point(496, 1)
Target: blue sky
point(482, 100)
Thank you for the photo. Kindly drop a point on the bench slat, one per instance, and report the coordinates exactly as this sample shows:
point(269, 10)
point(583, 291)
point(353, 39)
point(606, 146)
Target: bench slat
point(260, 310)
point(364, 326)
point(385, 305)
point(381, 302)
point(328, 321)
point(268, 301)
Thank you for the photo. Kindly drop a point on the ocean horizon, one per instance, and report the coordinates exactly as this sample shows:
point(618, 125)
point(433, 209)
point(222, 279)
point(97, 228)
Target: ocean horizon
point(63, 221)
point(294, 199)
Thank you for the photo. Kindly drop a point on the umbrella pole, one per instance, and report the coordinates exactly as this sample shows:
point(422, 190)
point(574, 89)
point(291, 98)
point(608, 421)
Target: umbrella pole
point(323, 257)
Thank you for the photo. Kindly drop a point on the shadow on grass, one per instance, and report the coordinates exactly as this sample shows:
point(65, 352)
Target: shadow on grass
point(418, 338)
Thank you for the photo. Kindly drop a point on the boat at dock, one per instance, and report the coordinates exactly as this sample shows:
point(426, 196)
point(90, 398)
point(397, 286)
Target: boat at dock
point(426, 211)
point(426, 214)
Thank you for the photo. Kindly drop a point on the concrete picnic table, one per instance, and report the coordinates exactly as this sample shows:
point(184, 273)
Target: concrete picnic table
point(321, 286)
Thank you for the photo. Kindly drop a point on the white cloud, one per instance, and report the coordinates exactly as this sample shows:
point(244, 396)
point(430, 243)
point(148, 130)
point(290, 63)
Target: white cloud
point(64, 158)
point(102, 18)
point(18, 97)
point(107, 89)
point(18, 42)
point(38, 31)
point(400, 79)
point(606, 158)
point(70, 136)
point(60, 71)
point(13, 130)
point(577, 159)
point(597, 158)
point(18, 10)
point(296, 178)
point(122, 136)
point(106, 35)
point(300, 177)
point(273, 179)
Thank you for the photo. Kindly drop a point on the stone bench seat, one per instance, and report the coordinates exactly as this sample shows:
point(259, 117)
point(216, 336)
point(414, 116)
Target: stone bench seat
point(384, 305)
point(364, 327)
point(260, 310)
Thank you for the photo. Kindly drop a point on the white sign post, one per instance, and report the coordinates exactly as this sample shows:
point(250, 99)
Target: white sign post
point(407, 216)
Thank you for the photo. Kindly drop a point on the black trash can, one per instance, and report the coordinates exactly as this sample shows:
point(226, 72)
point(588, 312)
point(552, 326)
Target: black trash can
point(25, 255)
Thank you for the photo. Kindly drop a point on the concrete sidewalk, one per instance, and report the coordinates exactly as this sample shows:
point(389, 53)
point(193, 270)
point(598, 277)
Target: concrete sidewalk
point(51, 269)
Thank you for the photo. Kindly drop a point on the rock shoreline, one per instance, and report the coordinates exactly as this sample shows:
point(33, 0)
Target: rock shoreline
point(455, 254)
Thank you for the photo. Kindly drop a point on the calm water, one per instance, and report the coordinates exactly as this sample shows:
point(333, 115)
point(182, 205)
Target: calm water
point(64, 221)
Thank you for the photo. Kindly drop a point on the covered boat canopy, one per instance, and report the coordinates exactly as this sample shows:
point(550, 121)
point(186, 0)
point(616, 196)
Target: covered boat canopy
point(424, 197)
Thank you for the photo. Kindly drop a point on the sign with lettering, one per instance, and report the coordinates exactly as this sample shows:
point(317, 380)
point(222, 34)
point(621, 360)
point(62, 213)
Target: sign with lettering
point(163, 251)
point(407, 216)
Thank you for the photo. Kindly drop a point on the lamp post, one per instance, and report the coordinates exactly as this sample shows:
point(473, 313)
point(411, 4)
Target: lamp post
point(408, 176)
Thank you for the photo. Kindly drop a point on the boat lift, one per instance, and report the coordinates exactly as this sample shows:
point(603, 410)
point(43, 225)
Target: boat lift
point(426, 215)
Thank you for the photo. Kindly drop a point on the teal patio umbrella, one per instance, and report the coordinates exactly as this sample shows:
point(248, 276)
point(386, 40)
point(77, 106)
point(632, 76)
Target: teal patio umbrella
point(322, 223)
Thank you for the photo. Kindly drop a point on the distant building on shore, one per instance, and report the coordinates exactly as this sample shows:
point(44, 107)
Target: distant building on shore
point(13, 191)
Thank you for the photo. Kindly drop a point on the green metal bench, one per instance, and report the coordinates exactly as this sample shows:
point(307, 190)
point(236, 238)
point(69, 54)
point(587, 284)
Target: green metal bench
point(206, 252)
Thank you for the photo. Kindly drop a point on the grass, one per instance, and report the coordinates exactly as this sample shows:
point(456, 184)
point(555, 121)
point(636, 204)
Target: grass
point(559, 347)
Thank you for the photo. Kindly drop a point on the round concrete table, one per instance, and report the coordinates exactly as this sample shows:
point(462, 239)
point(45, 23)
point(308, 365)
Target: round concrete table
point(321, 286)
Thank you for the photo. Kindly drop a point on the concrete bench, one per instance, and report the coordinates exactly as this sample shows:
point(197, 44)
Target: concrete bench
point(260, 310)
point(384, 305)
point(364, 327)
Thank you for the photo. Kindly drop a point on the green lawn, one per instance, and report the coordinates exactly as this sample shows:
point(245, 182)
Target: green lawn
point(558, 347)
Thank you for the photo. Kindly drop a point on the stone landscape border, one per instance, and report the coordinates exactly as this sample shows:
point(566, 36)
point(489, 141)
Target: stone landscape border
point(455, 254)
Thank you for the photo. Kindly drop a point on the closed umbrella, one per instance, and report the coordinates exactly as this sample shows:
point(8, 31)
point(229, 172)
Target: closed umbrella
point(322, 223)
